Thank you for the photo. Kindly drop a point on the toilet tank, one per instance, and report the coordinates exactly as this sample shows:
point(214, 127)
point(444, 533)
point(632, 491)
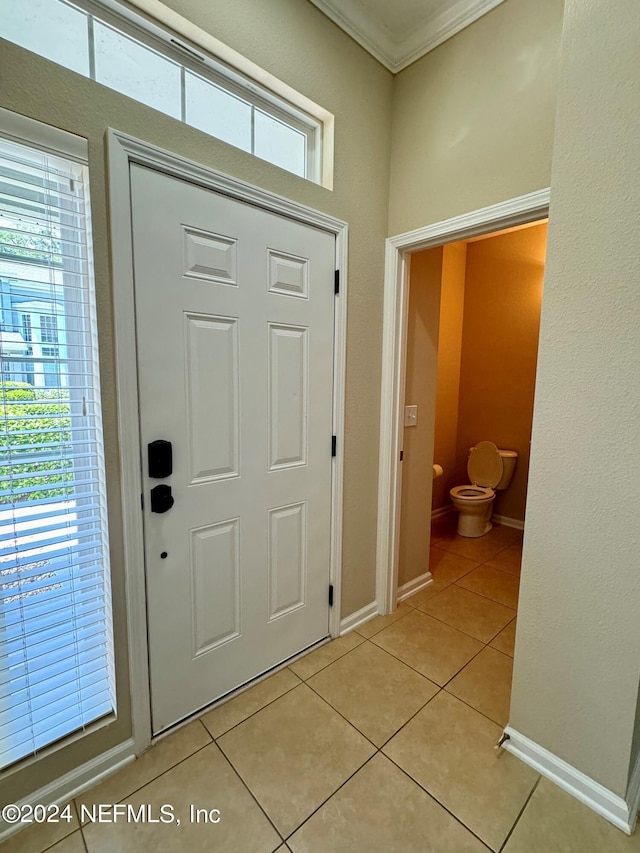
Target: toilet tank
point(509, 459)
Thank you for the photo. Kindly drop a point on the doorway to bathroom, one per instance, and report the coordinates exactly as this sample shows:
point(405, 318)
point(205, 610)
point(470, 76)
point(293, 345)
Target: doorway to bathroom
point(472, 334)
point(455, 283)
point(462, 319)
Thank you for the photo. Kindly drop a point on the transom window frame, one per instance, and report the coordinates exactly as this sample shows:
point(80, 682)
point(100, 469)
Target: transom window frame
point(177, 40)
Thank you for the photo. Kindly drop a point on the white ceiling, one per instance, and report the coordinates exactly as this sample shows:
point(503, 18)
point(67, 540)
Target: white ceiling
point(397, 32)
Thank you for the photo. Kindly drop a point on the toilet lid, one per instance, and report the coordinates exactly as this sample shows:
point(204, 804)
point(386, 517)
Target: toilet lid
point(485, 465)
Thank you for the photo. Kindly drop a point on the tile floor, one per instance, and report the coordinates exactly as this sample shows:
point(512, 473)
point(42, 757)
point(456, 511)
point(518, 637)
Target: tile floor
point(383, 740)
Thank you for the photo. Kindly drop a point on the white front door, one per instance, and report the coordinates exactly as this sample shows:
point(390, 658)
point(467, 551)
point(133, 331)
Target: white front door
point(234, 319)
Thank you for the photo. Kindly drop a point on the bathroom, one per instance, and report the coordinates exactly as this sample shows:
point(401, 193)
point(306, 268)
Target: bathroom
point(473, 328)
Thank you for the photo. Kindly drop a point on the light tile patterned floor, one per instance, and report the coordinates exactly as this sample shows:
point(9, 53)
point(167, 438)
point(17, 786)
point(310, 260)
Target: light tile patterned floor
point(382, 741)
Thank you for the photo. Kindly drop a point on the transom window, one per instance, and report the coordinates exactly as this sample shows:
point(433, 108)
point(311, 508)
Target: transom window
point(122, 49)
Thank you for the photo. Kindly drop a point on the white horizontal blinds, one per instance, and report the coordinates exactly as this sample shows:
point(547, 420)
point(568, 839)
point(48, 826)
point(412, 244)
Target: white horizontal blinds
point(123, 51)
point(56, 660)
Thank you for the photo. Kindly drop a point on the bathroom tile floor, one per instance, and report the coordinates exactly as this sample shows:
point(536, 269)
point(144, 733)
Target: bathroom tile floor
point(382, 740)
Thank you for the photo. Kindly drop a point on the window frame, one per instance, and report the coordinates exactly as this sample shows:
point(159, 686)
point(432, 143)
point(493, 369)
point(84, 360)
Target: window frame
point(198, 60)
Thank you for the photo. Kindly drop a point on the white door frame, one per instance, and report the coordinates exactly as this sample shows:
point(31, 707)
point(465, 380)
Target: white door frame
point(515, 211)
point(122, 151)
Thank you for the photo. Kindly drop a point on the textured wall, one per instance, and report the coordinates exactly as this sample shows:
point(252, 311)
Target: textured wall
point(473, 119)
point(421, 377)
point(577, 662)
point(503, 292)
point(294, 41)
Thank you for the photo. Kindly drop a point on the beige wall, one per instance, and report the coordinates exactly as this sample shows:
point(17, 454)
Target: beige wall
point(445, 445)
point(421, 377)
point(298, 44)
point(473, 119)
point(577, 660)
point(503, 293)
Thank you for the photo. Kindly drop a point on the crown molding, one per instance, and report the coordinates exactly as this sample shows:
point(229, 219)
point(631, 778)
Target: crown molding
point(395, 55)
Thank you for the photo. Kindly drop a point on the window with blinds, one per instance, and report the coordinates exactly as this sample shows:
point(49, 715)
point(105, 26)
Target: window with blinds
point(56, 658)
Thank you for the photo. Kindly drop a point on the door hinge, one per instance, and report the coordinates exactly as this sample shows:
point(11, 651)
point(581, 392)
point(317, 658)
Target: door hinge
point(401, 455)
point(336, 284)
point(331, 595)
point(334, 444)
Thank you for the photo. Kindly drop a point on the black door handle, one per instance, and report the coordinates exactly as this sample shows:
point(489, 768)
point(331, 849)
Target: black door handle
point(161, 498)
point(160, 457)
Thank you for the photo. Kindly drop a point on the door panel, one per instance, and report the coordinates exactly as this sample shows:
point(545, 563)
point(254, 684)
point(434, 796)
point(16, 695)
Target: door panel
point(234, 319)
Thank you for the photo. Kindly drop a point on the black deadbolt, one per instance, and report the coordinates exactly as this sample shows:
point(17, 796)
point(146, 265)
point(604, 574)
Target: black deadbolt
point(161, 498)
point(160, 459)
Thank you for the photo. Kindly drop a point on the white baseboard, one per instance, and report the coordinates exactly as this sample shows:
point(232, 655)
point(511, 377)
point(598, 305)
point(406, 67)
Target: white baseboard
point(414, 586)
point(66, 787)
point(594, 795)
point(441, 512)
point(633, 794)
point(508, 522)
point(349, 623)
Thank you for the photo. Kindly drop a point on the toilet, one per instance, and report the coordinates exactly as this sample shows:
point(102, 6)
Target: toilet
point(489, 469)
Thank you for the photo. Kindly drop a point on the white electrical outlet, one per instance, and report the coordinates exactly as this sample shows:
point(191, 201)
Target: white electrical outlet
point(410, 415)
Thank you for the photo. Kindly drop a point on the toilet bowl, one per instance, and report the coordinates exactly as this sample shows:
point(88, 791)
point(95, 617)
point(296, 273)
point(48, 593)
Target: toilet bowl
point(489, 469)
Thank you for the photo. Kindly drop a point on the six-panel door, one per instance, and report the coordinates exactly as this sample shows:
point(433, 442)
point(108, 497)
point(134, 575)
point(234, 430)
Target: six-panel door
point(234, 318)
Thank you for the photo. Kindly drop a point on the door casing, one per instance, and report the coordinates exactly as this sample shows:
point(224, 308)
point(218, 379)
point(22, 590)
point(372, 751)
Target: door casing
point(123, 150)
point(507, 214)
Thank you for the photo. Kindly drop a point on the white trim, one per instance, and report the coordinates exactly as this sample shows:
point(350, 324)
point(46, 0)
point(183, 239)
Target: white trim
point(122, 150)
point(358, 618)
point(495, 217)
point(508, 522)
point(416, 585)
point(394, 54)
point(50, 139)
point(63, 789)
point(391, 403)
point(594, 795)
point(507, 214)
point(633, 795)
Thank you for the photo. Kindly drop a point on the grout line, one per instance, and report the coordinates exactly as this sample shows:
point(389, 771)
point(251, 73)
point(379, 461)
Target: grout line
point(476, 563)
point(325, 801)
point(457, 628)
point(442, 805)
point(501, 726)
point(488, 597)
point(406, 723)
point(304, 680)
point(520, 813)
point(214, 738)
point(391, 624)
point(504, 629)
point(441, 686)
point(379, 748)
point(406, 664)
point(346, 719)
point(252, 795)
point(149, 781)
